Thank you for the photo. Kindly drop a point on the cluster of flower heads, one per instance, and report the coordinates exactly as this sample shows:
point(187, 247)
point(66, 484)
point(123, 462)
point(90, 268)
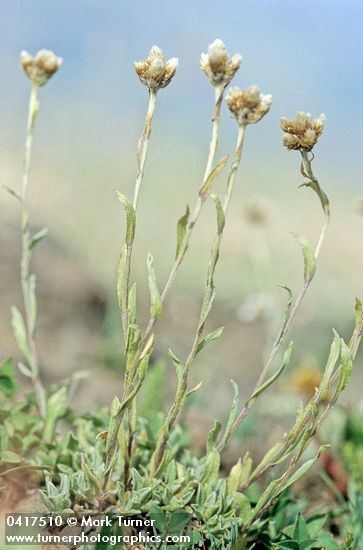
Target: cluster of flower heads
point(248, 106)
point(40, 68)
point(154, 72)
point(303, 132)
point(218, 66)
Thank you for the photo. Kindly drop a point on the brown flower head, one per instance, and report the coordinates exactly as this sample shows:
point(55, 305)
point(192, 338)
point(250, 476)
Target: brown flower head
point(218, 66)
point(154, 72)
point(248, 106)
point(42, 67)
point(302, 132)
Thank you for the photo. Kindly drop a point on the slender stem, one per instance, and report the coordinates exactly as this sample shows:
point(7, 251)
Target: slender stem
point(219, 91)
point(291, 315)
point(317, 422)
point(189, 230)
point(175, 268)
point(183, 382)
point(26, 253)
point(143, 146)
point(142, 150)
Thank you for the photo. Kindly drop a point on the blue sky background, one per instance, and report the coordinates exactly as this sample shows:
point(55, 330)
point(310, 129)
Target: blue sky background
point(307, 54)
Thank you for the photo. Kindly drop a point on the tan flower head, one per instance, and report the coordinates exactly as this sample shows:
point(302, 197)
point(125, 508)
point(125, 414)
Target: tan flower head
point(42, 67)
point(303, 132)
point(154, 72)
point(218, 66)
point(248, 106)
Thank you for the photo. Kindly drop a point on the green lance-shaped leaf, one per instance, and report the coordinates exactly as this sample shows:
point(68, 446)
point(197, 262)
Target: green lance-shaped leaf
point(332, 359)
point(142, 369)
point(232, 414)
point(221, 220)
point(194, 390)
point(133, 340)
point(266, 496)
point(239, 473)
point(288, 305)
point(346, 368)
point(89, 474)
point(207, 303)
point(19, 329)
point(112, 426)
point(211, 466)
point(56, 409)
point(302, 470)
point(277, 486)
point(314, 185)
point(176, 362)
point(358, 313)
point(208, 184)
point(35, 239)
point(242, 505)
point(121, 278)
point(358, 330)
point(301, 532)
point(271, 380)
point(24, 369)
point(309, 258)
point(8, 384)
point(181, 229)
point(269, 456)
point(213, 436)
point(156, 306)
point(209, 338)
point(13, 192)
point(130, 219)
point(132, 304)
point(32, 303)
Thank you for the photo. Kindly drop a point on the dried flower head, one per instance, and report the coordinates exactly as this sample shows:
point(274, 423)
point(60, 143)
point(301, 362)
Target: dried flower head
point(303, 132)
point(218, 66)
point(154, 72)
point(42, 67)
point(248, 106)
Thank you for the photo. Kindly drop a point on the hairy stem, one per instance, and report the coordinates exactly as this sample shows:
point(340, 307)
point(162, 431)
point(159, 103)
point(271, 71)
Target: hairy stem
point(292, 313)
point(208, 288)
point(316, 421)
point(142, 150)
point(174, 270)
point(26, 253)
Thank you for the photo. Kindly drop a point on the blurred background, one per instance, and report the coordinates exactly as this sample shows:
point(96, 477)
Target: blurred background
point(308, 55)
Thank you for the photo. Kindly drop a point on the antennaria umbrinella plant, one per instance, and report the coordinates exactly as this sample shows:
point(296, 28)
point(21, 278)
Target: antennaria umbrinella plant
point(38, 69)
point(116, 461)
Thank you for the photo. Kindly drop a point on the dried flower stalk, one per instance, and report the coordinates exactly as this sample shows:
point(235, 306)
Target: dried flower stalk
point(294, 306)
point(144, 347)
point(208, 295)
point(39, 70)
